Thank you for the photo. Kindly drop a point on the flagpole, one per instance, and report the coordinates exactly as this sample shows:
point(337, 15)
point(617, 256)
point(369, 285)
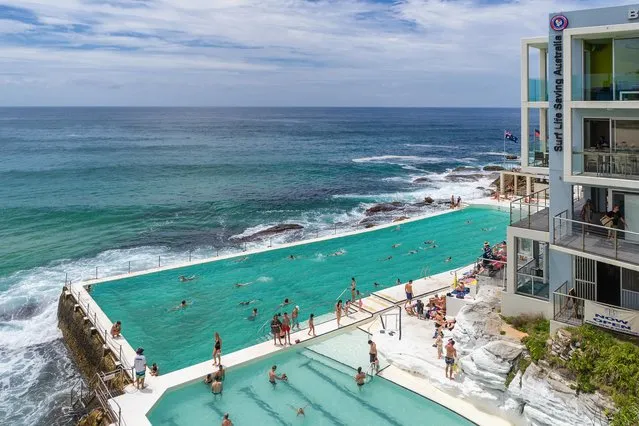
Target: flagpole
point(504, 159)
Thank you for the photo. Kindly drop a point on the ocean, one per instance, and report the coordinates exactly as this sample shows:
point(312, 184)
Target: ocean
point(87, 187)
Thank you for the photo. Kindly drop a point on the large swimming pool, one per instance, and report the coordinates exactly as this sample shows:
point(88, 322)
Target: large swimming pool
point(313, 280)
point(325, 387)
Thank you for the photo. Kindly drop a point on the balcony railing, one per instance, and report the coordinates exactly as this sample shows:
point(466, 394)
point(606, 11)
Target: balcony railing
point(617, 164)
point(531, 211)
point(589, 238)
point(569, 300)
point(605, 87)
point(537, 90)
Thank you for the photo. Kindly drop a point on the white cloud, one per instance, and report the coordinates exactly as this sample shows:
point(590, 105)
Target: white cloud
point(274, 52)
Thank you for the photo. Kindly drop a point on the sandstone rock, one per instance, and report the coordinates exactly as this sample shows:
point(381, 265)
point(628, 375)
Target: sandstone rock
point(465, 177)
point(465, 169)
point(493, 168)
point(401, 218)
point(428, 200)
point(369, 225)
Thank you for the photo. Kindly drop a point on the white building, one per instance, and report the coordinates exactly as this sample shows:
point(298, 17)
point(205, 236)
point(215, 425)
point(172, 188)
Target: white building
point(580, 126)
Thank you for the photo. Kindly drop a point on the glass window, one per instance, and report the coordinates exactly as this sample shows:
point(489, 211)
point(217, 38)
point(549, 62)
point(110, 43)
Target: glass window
point(597, 65)
point(626, 62)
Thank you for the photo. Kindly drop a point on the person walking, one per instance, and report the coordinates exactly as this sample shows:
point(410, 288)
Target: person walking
point(353, 289)
point(311, 325)
point(139, 365)
point(408, 288)
point(372, 354)
point(217, 350)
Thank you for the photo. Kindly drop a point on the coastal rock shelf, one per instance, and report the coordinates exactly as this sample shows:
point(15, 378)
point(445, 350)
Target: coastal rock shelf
point(540, 396)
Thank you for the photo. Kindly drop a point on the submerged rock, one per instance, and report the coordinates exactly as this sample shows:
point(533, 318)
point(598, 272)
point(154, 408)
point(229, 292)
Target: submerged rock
point(428, 200)
point(465, 178)
point(493, 168)
point(401, 218)
point(465, 169)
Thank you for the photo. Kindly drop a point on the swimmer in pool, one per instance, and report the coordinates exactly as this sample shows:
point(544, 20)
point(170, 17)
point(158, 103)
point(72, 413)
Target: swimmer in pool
point(182, 305)
point(337, 253)
point(247, 302)
point(388, 258)
point(397, 228)
point(285, 302)
point(300, 410)
point(253, 315)
point(448, 259)
point(376, 284)
point(243, 284)
point(429, 242)
point(412, 252)
point(184, 279)
point(241, 259)
point(468, 222)
point(291, 257)
point(396, 245)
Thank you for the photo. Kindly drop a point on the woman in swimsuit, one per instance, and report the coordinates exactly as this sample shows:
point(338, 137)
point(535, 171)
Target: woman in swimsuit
point(217, 351)
point(275, 329)
point(338, 311)
point(311, 325)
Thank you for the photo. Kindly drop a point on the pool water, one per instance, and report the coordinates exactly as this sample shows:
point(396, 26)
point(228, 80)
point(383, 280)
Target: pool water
point(313, 280)
point(325, 387)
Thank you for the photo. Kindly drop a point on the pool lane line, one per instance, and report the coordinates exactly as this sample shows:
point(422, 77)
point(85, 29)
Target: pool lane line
point(431, 400)
point(263, 404)
point(314, 405)
point(347, 392)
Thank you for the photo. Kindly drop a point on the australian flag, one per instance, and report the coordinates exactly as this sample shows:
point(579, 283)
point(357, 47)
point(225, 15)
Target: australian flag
point(508, 135)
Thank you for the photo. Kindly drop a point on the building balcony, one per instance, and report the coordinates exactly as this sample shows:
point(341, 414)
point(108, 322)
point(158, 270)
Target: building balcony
point(570, 299)
point(592, 239)
point(531, 211)
point(618, 164)
point(605, 87)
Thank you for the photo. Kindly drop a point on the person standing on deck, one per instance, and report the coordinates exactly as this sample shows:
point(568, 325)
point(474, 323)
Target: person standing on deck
point(275, 329)
point(311, 325)
point(408, 288)
point(353, 289)
point(294, 318)
point(338, 312)
point(458, 202)
point(139, 364)
point(372, 354)
point(217, 350)
point(451, 355)
point(286, 328)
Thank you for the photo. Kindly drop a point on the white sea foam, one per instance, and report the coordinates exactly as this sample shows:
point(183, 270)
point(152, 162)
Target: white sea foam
point(425, 145)
point(264, 279)
point(399, 159)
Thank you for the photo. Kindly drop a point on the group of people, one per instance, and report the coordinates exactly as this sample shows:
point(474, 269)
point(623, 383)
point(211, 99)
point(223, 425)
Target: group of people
point(281, 328)
point(216, 380)
point(342, 308)
point(455, 204)
point(494, 258)
point(139, 365)
point(612, 220)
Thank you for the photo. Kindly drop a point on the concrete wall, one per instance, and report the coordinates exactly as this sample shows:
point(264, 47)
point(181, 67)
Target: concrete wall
point(515, 304)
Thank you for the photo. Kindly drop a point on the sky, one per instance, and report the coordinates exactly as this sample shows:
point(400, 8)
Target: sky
point(268, 52)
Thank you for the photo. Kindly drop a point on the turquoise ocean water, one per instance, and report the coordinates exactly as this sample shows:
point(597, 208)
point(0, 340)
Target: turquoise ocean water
point(87, 187)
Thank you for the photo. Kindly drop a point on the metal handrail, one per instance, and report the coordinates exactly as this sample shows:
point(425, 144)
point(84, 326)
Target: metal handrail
point(583, 231)
point(104, 395)
point(529, 205)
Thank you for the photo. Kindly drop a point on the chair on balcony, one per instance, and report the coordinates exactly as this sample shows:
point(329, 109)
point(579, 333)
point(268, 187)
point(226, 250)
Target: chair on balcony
point(540, 159)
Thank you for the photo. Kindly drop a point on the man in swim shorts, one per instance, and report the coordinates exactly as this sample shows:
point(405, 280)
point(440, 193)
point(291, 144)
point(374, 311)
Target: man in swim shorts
point(408, 288)
point(451, 354)
point(372, 354)
point(139, 365)
point(273, 377)
point(217, 386)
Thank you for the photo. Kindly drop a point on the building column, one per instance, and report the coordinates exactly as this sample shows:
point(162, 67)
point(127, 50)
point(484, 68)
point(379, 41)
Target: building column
point(528, 185)
point(543, 130)
point(501, 184)
point(515, 179)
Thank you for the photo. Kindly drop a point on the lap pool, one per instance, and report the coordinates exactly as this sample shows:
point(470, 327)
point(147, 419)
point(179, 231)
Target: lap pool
point(313, 280)
point(325, 387)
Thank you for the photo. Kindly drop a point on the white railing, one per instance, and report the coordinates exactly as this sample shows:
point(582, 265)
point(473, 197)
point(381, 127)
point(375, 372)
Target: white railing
point(522, 209)
point(630, 299)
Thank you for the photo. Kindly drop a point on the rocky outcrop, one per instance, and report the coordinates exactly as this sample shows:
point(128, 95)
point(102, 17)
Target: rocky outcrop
point(422, 180)
point(383, 208)
point(490, 364)
point(400, 219)
point(493, 168)
point(273, 230)
point(544, 397)
point(470, 177)
point(428, 200)
point(465, 169)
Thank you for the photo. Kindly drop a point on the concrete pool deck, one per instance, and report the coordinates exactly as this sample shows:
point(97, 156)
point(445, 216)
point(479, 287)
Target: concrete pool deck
point(134, 405)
